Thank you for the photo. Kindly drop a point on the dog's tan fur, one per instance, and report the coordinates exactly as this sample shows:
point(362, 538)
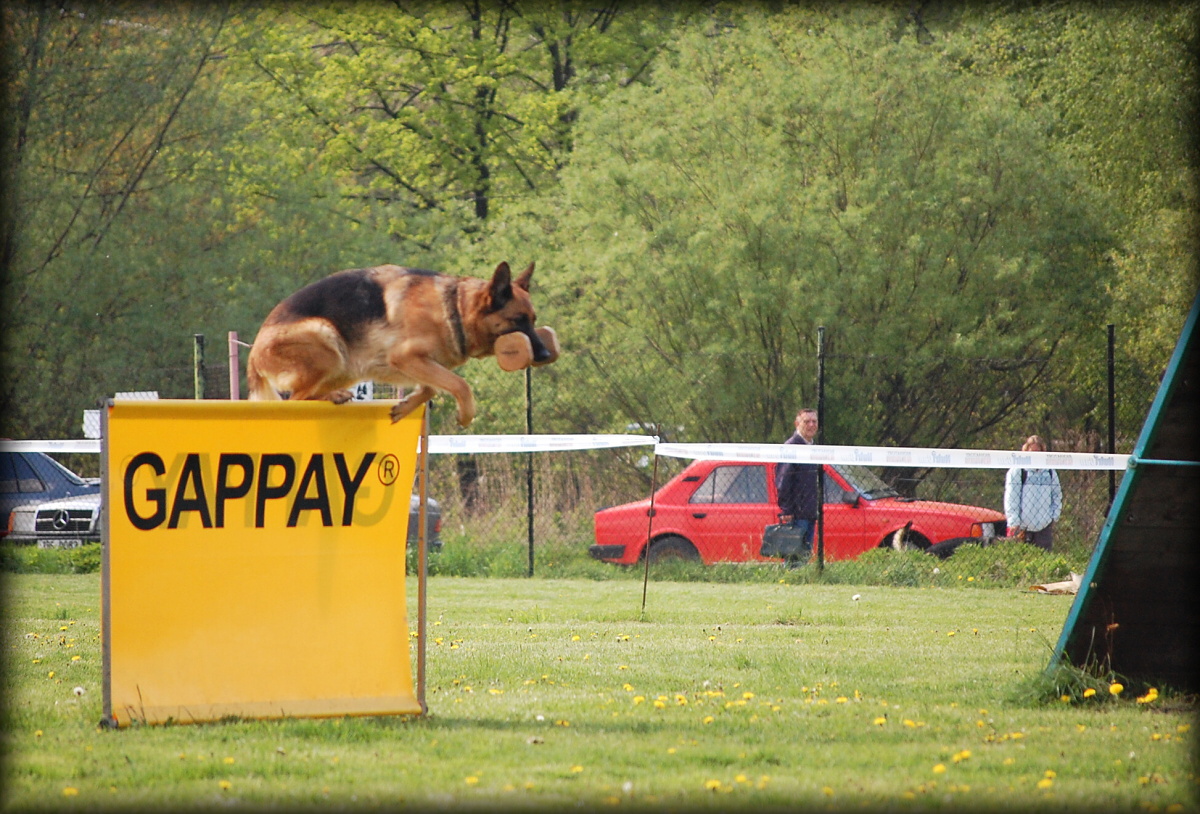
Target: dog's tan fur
point(391, 324)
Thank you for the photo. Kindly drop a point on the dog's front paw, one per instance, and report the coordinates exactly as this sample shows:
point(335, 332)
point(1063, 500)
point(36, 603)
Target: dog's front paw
point(340, 396)
point(402, 408)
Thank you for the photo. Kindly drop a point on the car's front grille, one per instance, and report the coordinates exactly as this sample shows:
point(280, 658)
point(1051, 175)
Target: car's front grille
point(63, 521)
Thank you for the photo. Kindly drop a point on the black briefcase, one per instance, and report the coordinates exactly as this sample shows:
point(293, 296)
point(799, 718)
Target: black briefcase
point(785, 541)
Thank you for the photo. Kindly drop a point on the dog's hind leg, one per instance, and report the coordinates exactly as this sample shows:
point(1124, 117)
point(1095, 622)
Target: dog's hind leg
point(258, 385)
point(304, 362)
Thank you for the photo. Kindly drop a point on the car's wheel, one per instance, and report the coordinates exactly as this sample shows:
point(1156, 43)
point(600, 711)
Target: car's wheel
point(905, 539)
point(673, 549)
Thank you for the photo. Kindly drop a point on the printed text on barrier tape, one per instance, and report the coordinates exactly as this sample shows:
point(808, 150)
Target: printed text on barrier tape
point(894, 456)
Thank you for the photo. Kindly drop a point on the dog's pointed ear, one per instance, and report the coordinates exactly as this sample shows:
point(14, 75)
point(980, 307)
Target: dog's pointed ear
point(522, 282)
point(500, 288)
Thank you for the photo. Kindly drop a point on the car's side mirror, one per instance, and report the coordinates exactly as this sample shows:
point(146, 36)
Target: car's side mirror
point(850, 499)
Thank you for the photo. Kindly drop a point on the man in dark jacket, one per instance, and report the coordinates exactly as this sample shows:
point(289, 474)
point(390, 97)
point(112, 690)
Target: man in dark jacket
point(796, 484)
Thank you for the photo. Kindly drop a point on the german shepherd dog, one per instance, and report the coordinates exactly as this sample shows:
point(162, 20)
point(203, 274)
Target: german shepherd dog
point(391, 324)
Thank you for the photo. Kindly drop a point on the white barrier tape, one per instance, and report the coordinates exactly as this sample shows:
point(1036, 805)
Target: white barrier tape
point(894, 456)
point(443, 444)
point(796, 453)
point(62, 446)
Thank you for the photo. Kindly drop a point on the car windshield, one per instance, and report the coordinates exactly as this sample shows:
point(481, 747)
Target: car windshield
point(868, 484)
point(66, 474)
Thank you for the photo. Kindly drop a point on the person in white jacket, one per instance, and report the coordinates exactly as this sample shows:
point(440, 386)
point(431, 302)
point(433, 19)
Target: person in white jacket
point(1032, 499)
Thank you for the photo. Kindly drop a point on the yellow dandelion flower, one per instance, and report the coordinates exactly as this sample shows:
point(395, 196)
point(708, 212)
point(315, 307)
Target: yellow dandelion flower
point(841, 699)
point(575, 638)
point(880, 721)
point(712, 785)
point(1080, 727)
point(576, 769)
point(659, 703)
point(747, 695)
point(1089, 692)
point(940, 768)
point(708, 719)
point(1045, 783)
point(1050, 773)
point(471, 780)
point(1149, 697)
point(225, 785)
point(637, 699)
point(70, 791)
point(1066, 699)
point(741, 778)
point(1116, 688)
point(628, 688)
point(827, 791)
point(228, 760)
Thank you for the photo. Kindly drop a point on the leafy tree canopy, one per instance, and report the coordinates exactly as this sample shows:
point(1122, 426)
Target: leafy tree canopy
point(775, 178)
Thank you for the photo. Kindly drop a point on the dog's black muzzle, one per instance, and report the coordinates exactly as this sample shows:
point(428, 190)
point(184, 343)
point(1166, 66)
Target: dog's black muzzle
point(540, 352)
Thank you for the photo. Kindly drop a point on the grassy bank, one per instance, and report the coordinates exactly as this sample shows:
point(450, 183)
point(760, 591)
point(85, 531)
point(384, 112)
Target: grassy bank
point(1007, 564)
point(553, 692)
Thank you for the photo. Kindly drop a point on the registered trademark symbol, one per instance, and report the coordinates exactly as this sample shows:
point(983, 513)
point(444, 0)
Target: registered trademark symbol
point(389, 469)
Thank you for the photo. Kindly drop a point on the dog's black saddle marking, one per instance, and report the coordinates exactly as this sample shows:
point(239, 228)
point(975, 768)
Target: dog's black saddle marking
point(351, 300)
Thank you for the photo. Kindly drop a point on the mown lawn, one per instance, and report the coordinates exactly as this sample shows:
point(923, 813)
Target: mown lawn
point(546, 693)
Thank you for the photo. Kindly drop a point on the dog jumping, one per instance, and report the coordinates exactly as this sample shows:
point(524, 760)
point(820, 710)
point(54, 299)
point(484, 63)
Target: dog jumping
point(403, 326)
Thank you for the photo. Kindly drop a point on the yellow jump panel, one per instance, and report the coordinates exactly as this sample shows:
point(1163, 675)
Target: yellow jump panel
point(254, 560)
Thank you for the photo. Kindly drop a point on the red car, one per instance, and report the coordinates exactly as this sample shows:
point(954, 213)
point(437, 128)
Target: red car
point(715, 511)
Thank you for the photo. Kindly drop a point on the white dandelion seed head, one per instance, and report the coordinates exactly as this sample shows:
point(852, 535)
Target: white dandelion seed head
point(78, 691)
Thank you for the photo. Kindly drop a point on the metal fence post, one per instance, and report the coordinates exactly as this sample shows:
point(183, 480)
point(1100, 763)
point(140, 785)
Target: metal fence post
point(198, 364)
point(1112, 410)
point(820, 439)
point(235, 373)
point(529, 462)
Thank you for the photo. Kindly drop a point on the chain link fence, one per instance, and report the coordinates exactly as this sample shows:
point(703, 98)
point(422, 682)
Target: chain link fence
point(545, 503)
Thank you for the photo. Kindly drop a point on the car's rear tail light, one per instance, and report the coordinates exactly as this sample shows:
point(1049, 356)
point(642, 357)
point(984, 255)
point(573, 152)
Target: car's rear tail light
point(976, 529)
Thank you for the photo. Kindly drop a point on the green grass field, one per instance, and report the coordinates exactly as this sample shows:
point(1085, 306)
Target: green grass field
point(546, 693)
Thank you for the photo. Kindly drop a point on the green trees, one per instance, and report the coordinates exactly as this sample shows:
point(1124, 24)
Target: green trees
point(1119, 84)
point(94, 219)
point(962, 202)
point(774, 180)
point(428, 120)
